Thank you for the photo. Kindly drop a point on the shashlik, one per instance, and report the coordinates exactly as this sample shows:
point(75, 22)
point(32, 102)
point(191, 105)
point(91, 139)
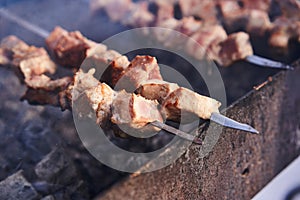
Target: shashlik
point(209, 39)
point(141, 69)
point(245, 15)
point(134, 112)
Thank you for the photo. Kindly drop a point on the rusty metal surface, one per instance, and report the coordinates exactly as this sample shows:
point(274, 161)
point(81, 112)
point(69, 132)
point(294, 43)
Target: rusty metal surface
point(240, 164)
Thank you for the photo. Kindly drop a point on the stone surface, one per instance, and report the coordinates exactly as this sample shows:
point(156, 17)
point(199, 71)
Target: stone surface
point(16, 187)
point(56, 167)
point(240, 164)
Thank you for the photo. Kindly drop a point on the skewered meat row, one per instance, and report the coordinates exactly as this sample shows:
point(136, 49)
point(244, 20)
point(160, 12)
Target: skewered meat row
point(138, 71)
point(136, 74)
point(130, 14)
point(67, 47)
point(253, 17)
point(210, 40)
point(112, 104)
point(249, 16)
point(175, 104)
point(251, 20)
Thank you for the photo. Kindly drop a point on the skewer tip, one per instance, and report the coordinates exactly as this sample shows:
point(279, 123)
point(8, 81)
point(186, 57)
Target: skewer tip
point(254, 131)
point(265, 62)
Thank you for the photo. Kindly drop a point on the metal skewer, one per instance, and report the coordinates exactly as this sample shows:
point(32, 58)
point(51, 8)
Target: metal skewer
point(25, 24)
point(225, 121)
point(216, 117)
point(264, 62)
point(177, 132)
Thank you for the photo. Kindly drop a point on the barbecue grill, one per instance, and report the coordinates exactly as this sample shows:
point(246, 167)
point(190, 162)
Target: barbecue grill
point(42, 155)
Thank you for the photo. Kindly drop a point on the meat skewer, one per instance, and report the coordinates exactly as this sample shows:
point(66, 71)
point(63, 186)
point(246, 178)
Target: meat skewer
point(212, 112)
point(164, 21)
point(61, 92)
point(144, 68)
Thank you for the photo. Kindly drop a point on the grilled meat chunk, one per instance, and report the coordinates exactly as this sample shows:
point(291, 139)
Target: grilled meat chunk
point(141, 68)
point(185, 105)
point(156, 89)
point(236, 47)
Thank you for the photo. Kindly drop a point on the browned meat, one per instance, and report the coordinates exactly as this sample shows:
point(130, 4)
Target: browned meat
point(141, 68)
point(4, 57)
point(204, 9)
point(156, 89)
point(68, 48)
point(168, 25)
point(258, 22)
point(283, 31)
point(115, 69)
point(254, 21)
point(32, 64)
point(49, 92)
point(263, 5)
point(138, 16)
point(185, 105)
point(108, 64)
point(189, 25)
point(100, 99)
point(236, 47)
point(170, 37)
point(125, 11)
point(82, 81)
point(84, 53)
point(31, 61)
point(115, 9)
point(206, 38)
point(290, 8)
point(165, 10)
point(178, 103)
point(130, 112)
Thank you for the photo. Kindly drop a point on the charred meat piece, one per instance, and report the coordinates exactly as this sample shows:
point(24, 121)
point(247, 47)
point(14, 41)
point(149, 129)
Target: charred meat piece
point(82, 81)
point(115, 9)
point(68, 48)
point(100, 99)
point(31, 62)
point(283, 31)
point(235, 18)
point(165, 10)
point(263, 5)
point(289, 8)
point(207, 38)
point(113, 73)
point(236, 47)
point(81, 52)
point(125, 11)
point(138, 16)
point(156, 89)
point(133, 112)
point(170, 37)
point(205, 9)
point(49, 92)
point(141, 69)
point(168, 25)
